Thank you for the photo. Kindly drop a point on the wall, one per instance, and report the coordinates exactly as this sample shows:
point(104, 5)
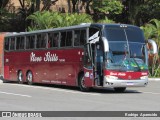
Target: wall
point(1, 50)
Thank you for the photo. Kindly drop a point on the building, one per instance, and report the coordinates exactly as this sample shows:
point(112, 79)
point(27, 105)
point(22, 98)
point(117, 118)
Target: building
point(1, 50)
point(60, 5)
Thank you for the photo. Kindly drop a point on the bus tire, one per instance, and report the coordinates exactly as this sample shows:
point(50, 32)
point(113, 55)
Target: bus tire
point(119, 89)
point(4, 81)
point(29, 78)
point(20, 77)
point(82, 86)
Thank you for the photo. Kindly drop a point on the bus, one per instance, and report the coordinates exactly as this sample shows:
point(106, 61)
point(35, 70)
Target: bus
point(87, 55)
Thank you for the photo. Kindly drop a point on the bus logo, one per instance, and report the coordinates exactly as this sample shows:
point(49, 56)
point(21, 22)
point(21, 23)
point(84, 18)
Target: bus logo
point(47, 58)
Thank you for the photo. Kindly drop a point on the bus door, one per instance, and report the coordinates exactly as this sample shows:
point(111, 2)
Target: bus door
point(88, 66)
point(98, 64)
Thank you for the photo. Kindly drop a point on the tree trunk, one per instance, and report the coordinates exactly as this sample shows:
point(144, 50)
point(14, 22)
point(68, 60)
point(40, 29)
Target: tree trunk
point(74, 5)
point(38, 5)
point(87, 6)
point(69, 6)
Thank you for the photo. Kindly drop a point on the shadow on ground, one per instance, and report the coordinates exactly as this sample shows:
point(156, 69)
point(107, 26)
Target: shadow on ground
point(92, 90)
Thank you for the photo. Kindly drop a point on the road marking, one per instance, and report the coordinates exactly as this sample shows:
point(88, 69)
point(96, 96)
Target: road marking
point(1, 92)
point(56, 89)
point(151, 93)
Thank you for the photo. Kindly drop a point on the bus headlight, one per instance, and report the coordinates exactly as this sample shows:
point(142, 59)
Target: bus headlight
point(144, 77)
point(111, 77)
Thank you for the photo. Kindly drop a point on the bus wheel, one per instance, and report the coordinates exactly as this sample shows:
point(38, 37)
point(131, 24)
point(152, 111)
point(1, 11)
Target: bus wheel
point(29, 78)
point(119, 89)
point(20, 77)
point(82, 84)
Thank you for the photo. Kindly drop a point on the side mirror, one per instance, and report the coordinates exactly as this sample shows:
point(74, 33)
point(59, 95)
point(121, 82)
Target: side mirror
point(106, 45)
point(153, 49)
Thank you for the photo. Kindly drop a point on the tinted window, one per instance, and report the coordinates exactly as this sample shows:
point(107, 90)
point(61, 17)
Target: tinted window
point(30, 42)
point(41, 41)
point(63, 39)
point(6, 44)
point(12, 43)
point(133, 34)
point(69, 38)
point(20, 43)
point(66, 39)
point(53, 39)
point(115, 34)
point(79, 37)
point(92, 31)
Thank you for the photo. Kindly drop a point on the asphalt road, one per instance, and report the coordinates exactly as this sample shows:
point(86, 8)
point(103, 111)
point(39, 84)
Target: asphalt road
point(17, 97)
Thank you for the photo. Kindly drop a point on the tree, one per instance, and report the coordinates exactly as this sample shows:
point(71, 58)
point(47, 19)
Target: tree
point(69, 6)
point(139, 12)
point(39, 20)
point(5, 16)
point(74, 2)
point(106, 20)
point(152, 31)
point(107, 8)
point(47, 4)
point(150, 10)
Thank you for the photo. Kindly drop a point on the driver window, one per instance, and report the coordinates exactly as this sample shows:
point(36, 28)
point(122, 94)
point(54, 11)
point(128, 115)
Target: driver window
point(92, 31)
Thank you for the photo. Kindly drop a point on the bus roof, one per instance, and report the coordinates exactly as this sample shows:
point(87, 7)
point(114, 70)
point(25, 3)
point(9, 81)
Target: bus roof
point(83, 25)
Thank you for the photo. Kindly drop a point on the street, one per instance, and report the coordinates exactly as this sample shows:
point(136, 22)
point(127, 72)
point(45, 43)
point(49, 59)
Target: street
point(18, 97)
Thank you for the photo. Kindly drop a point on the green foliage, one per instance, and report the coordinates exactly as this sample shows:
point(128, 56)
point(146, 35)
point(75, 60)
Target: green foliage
point(152, 31)
point(46, 20)
point(106, 20)
point(107, 6)
point(148, 31)
point(4, 16)
point(146, 10)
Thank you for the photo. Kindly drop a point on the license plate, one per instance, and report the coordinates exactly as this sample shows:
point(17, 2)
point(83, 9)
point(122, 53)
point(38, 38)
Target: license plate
point(130, 83)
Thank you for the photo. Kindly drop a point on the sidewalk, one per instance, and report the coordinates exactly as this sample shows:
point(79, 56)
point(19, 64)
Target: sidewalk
point(153, 79)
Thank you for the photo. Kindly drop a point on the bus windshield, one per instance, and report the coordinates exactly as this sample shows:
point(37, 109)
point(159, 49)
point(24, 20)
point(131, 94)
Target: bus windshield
point(127, 50)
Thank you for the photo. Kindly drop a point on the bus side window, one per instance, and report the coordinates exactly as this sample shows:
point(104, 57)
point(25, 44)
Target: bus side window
point(30, 40)
point(63, 39)
point(38, 41)
point(41, 40)
point(69, 38)
point(7, 44)
point(83, 37)
point(20, 43)
point(76, 37)
point(12, 44)
point(53, 39)
point(79, 37)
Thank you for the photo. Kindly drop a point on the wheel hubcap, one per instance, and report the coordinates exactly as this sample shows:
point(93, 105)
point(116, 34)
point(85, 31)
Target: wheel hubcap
point(20, 76)
point(83, 83)
point(29, 77)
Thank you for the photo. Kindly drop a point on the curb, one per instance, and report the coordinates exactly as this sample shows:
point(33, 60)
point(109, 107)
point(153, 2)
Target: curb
point(154, 79)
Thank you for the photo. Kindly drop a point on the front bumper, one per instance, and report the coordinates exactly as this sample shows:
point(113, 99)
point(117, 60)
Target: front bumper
point(124, 83)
